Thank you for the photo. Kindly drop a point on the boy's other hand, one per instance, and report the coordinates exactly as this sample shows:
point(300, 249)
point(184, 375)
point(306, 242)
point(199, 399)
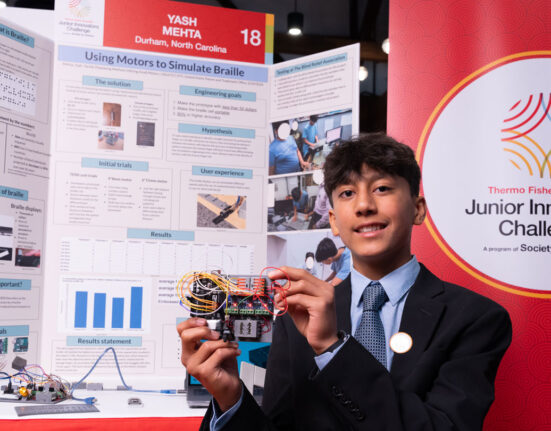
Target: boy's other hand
point(311, 304)
point(212, 362)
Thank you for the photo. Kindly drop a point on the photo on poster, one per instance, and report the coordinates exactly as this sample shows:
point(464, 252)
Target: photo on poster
point(145, 135)
point(221, 211)
point(303, 143)
point(27, 257)
point(6, 253)
point(305, 250)
point(6, 237)
point(3, 348)
point(112, 114)
point(298, 202)
point(21, 344)
point(108, 140)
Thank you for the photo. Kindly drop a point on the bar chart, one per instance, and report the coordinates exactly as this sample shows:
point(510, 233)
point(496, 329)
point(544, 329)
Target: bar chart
point(106, 304)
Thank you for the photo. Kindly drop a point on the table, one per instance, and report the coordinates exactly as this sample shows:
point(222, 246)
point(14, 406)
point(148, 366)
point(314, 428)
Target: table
point(158, 411)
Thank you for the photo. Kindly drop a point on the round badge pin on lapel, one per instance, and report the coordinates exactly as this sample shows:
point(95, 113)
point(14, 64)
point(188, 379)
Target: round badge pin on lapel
point(401, 342)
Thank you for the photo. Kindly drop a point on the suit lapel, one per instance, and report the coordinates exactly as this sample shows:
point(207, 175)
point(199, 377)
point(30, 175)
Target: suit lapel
point(343, 293)
point(419, 319)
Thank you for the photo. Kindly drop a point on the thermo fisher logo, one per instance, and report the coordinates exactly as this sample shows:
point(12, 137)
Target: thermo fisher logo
point(527, 135)
point(486, 160)
point(79, 8)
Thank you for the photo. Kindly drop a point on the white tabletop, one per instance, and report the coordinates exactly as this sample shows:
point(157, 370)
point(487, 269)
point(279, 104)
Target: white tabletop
point(114, 404)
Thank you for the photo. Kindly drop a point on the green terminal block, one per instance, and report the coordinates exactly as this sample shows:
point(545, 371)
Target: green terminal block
point(262, 312)
point(246, 311)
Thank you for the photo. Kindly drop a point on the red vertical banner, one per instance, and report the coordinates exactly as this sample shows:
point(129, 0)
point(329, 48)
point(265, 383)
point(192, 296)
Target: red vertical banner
point(189, 29)
point(470, 91)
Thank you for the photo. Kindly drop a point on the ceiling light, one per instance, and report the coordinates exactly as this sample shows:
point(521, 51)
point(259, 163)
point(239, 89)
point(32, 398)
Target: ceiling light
point(385, 46)
point(295, 21)
point(363, 73)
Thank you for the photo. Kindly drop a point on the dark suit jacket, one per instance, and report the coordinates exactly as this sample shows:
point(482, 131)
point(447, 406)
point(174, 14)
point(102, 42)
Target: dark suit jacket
point(445, 382)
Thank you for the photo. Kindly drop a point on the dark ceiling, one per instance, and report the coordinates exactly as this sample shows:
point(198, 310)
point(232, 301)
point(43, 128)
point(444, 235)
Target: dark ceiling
point(327, 24)
point(32, 4)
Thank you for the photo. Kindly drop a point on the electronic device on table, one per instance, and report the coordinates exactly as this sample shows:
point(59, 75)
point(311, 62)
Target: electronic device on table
point(241, 308)
point(47, 393)
point(32, 387)
point(283, 207)
point(333, 135)
point(224, 214)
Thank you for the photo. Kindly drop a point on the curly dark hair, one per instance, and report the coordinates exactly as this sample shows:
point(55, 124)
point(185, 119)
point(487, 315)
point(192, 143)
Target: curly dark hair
point(326, 249)
point(376, 150)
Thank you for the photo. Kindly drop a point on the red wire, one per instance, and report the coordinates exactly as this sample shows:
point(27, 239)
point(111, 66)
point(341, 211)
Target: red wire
point(265, 324)
point(275, 282)
point(277, 288)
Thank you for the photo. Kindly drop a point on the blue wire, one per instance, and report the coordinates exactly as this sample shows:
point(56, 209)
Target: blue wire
point(18, 374)
point(90, 400)
point(7, 376)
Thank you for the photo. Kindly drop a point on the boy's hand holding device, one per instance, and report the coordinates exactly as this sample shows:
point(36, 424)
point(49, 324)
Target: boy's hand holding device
point(311, 304)
point(212, 362)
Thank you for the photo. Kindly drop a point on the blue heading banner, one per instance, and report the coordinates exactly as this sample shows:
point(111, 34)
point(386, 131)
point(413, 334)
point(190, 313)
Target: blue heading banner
point(123, 84)
point(74, 340)
point(217, 93)
point(123, 165)
point(11, 193)
point(14, 331)
point(339, 58)
point(171, 235)
point(222, 172)
point(230, 132)
point(12, 34)
point(14, 284)
point(138, 61)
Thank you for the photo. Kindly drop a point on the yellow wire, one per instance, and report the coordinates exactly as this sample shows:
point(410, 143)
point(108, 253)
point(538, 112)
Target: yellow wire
point(186, 282)
point(228, 286)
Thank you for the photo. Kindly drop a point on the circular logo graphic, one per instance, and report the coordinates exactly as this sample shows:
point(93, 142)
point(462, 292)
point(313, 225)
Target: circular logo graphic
point(486, 159)
point(79, 8)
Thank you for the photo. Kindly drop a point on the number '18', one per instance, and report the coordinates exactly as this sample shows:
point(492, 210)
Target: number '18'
point(252, 37)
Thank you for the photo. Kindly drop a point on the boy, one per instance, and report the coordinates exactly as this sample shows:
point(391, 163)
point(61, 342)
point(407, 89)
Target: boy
point(309, 264)
point(300, 203)
point(319, 376)
point(320, 215)
point(339, 259)
point(284, 156)
point(310, 137)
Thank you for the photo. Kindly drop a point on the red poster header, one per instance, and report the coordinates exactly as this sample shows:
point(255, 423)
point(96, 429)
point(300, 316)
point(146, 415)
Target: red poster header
point(189, 29)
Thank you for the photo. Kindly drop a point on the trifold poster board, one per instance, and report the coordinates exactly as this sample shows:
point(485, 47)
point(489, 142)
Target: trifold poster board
point(116, 162)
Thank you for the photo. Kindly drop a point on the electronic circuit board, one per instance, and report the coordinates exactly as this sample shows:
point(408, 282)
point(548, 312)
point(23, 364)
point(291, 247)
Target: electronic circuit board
point(239, 307)
point(47, 393)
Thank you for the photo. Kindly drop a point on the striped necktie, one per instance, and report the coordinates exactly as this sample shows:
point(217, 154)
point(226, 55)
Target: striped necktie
point(370, 332)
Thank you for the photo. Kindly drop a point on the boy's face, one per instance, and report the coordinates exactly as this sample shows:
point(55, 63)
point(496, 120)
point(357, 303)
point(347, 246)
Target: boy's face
point(374, 216)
